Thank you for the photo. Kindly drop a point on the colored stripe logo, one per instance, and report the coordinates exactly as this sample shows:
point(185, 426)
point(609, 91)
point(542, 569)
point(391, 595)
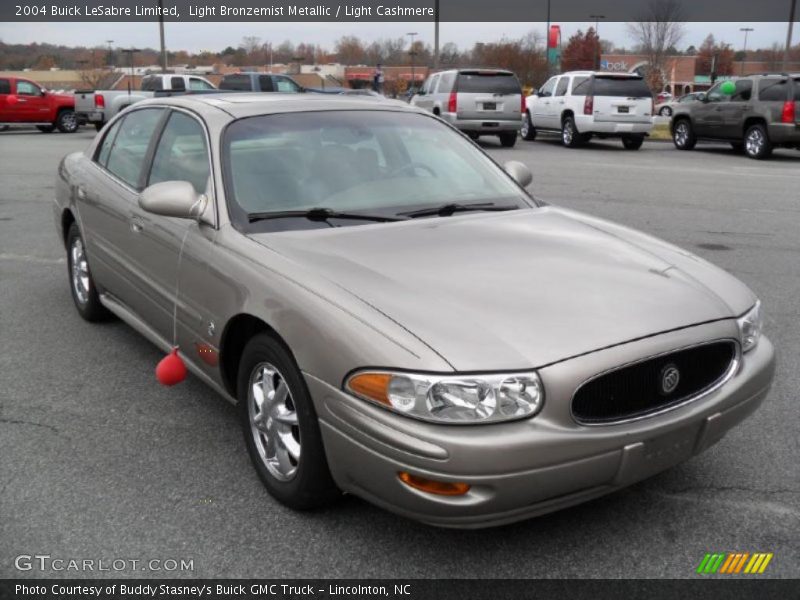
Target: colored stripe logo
point(734, 563)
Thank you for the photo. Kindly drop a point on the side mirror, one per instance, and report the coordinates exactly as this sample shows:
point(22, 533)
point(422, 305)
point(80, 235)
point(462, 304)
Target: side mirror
point(702, 97)
point(519, 172)
point(173, 199)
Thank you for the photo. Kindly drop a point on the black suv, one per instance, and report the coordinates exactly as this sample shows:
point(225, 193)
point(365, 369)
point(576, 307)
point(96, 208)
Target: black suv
point(762, 113)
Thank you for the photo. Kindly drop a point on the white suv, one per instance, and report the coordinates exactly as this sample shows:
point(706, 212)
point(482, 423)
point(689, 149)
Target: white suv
point(580, 104)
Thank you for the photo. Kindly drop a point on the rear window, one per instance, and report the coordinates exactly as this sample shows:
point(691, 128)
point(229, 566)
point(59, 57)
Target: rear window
point(621, 86)
point(774, 90)
point(235, 82)
point(580, 86)
point(489, 82)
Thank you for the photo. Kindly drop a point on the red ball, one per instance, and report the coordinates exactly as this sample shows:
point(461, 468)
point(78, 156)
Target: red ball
point(171, 369)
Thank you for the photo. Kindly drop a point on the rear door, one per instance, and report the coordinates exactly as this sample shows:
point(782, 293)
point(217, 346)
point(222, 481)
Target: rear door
point(488, 95)
point(621, 99)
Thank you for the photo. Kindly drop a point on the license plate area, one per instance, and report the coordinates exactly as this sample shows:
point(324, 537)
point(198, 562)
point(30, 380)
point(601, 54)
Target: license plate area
point(623, 109)
point(490, 106)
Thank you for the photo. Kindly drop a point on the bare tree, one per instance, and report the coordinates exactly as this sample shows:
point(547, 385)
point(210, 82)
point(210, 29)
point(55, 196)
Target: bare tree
point(659, 28)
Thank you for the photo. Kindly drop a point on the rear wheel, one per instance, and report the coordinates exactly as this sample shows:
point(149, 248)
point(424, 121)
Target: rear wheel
point(527, 131)
point(683, 135)
point(46, 128)
point(569, 134)
point(756, 142)
point(67, 121)
point(84, 291)
point(507, 140)
point(280, 426)
point(633, 142)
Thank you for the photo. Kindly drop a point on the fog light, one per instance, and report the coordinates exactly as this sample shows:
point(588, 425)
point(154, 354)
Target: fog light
point(441, 488)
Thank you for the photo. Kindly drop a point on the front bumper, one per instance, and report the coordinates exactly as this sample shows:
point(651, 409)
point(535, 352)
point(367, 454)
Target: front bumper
point(526, 468)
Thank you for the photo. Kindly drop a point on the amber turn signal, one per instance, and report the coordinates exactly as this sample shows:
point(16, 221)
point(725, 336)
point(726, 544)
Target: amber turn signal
point(441, 488)
point(374, 386)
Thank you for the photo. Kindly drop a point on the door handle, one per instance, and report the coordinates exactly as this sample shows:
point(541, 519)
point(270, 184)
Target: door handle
point(137, 226)
point(21, 99)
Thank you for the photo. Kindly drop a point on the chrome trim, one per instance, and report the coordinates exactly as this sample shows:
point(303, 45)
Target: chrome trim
point(733, 368)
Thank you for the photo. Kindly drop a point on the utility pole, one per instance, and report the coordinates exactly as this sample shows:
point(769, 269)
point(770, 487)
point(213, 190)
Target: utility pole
point(161, 35)
point(411, 52)
point(597, 33)
point(789, 36)
point(110, 53)
point(436, 35)
point(547, 41)
point(744, 50)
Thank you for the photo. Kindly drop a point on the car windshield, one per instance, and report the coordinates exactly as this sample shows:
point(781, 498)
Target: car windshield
point(375, 162)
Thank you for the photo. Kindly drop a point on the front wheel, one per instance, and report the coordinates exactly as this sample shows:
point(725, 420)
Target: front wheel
point(756, 142)
point(507, 140)
point(67, 121)
point(84, 291)
point(527, 131)
point(280, 426)
point(633, 142)
point(683, 135)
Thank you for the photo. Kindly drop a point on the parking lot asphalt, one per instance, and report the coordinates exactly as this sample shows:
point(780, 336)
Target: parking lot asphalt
point(99, 461)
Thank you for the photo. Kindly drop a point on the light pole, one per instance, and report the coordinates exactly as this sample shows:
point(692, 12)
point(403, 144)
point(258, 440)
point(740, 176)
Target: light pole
point(130, 52)
point(161, 36)
point(411, 34)
point(792, 9)
point(596, 19)
point(110, 52)
point(547, 41)
point(744, 50)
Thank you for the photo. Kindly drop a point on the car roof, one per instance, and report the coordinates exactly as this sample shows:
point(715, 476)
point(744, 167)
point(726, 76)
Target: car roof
point(239, 105)
point(604, 74)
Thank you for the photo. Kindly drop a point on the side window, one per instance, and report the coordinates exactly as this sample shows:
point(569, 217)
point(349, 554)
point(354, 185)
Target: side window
point(178, 84)
point(434, 83)
point(265, 83)
point(580, 86)
point(199, 84)
point(152, 84)
point(715, 94)
point(744, 88)
point(547, 88)
point(236, 82)
point(446, 83)
point(130, 148)
point(426, 86)
point(563, 84)
point(107, 143)
point(182, 154)
point(284, 84)
point(769, 90)
point(5, 86)
point(26, 88)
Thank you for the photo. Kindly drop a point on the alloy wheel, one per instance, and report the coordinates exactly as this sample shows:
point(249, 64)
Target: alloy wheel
point(567, 133)
point(80, 271)
point(681, 134)
point(273, 421)
point(754, 143)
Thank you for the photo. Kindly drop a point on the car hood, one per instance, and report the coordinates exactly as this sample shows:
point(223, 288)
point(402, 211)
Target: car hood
point(519, 289)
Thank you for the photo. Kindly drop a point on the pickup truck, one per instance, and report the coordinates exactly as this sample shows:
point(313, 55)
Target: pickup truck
point(25, 102)
point(99, 106)
point(260, 82)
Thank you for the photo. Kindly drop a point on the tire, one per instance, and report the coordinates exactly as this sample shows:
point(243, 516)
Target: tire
point(633, 142)
point(98, 126)
point(756, 142)
point(737, 146)
point(570, 137)
point(81, 284)
point(300, 480)
point(67, 121)
point(683, 135)
point(665, 111)
point(508, 140)
point(527, 131)
point(46, 128)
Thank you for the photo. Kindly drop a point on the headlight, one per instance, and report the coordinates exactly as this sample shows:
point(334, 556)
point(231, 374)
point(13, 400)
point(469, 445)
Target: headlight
point(452, 399)
point(750, 327)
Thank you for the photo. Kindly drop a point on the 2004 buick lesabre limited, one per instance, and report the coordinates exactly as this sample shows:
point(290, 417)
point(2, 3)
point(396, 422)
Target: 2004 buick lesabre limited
point(393, 313)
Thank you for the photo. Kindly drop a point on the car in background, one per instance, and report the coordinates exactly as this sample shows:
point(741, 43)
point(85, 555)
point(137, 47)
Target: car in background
point(667, 107)
point(663, 97)
point(582, 104)
point(476, 101)
point(463, 355)
point(260, 82)
point(100, 106)
point(755, 114)
point(25, 102)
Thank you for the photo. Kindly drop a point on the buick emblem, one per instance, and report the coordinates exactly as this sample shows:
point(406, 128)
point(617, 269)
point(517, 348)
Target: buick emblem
point(670, 376)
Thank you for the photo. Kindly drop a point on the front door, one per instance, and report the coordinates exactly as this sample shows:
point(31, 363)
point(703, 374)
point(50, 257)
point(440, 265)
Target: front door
point(541, 106)
point(707, 115)
point(32, 104)
point(733, 111)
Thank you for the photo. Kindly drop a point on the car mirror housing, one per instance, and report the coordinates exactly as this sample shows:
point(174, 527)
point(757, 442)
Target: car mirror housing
point(519, 172)
point(173, 199)
point(701, 97)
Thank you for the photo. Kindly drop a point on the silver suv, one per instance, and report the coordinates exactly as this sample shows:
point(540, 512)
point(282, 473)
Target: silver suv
point(476, 101)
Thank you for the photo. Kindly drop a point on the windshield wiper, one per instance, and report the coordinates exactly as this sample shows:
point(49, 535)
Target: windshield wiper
point(446, 210)
point(320, 214)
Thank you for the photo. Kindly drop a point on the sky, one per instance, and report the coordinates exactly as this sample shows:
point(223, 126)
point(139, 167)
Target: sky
point(195, 37)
